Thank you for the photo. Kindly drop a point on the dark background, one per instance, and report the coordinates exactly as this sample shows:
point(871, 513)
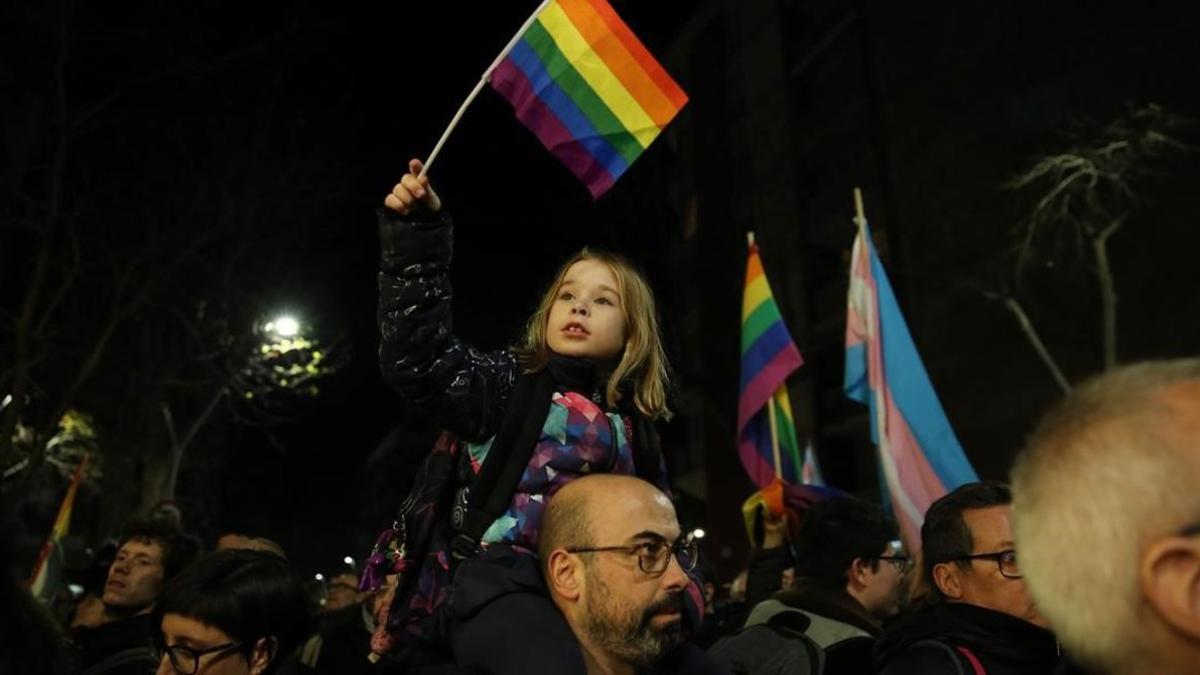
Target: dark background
point(282, 125)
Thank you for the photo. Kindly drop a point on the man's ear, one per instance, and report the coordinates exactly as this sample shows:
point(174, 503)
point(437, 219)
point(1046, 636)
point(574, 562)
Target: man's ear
point(1169, 576)
point(263, 654)
point(948, 578)
point(564, 575)
point(856, 574)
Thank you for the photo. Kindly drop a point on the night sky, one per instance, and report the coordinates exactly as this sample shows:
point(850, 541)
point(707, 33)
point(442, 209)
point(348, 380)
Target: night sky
point(322, 105)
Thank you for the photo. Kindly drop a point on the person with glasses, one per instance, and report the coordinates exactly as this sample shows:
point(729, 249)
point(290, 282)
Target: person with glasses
point(1107, 490)
point(616, 564)
point(235, 612)
point(850, 569)
point(979, 616)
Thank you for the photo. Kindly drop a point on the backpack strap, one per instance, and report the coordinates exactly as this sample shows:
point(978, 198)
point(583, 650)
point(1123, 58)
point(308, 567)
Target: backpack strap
point(477, 506)
point(976, 665)
point(953, 651)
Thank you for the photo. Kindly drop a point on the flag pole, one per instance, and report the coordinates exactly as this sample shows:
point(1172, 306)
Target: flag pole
point(775, 437)
point(860, 217)
point(479, 86)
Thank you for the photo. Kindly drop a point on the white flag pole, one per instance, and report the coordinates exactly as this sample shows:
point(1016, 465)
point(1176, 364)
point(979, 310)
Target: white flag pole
point(479, 86)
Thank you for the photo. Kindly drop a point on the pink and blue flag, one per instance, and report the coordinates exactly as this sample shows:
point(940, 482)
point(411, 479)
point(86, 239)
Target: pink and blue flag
point(920, 457)
point(766, 430)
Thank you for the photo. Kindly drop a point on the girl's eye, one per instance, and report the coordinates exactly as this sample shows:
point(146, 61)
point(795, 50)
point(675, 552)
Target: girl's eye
point(566, 296)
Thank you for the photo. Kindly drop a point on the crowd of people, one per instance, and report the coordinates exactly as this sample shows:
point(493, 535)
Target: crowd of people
point(541, 537)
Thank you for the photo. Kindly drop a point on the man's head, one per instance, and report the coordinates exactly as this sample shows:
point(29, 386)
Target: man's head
point(150, 553)
point(343, 592)
point(1104, 495)
point(849, 544)
point(968, 550)
point(623, 603)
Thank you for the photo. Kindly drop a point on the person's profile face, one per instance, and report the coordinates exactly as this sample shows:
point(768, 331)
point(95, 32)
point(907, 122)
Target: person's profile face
point(135, 577)
point(884, 583)
point(983, 583)
point(631, 612)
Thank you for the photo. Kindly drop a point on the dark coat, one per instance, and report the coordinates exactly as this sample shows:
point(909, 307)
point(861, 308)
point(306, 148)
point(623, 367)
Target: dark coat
point(463, 388)
point(1003, 644)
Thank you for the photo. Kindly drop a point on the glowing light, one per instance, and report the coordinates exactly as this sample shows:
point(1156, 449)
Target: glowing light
point(699, 533)
point(348, 560)
point(284, 326)
point(319, 577)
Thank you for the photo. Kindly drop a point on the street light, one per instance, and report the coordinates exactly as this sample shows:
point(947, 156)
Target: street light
point(319, 577)
point(284, 326)
point(348, 560)
point(699, 533)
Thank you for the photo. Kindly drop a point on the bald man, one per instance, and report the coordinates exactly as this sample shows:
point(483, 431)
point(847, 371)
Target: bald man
point(615, 564)
point(1106, 508)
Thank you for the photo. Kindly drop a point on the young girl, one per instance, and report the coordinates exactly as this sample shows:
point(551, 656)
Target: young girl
point(581, 390)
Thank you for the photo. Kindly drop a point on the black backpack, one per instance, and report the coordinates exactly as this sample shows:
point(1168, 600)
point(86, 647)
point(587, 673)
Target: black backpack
point(778, 646)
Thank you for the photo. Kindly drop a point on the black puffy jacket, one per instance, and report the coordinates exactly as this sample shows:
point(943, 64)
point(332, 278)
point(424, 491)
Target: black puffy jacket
point(465, 389)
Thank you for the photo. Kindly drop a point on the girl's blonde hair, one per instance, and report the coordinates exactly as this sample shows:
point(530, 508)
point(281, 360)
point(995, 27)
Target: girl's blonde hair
point(643, 361)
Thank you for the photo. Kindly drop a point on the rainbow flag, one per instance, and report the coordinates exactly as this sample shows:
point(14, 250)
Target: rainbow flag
point(588, 89)
point(768, 357)
point(44, 581)
point(919, 455)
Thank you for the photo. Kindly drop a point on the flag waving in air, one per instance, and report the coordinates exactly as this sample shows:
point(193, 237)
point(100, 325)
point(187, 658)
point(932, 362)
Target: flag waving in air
point(587, 88)
point(766, 430)
point(919, 455)
point(44, 582)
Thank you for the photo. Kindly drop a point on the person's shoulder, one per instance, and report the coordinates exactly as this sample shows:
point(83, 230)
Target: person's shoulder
point(927, 657)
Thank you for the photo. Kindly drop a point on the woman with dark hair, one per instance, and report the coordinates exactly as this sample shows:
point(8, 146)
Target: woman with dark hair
point(236, 612)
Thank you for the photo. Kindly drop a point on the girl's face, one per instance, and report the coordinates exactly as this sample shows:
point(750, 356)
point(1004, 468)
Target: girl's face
point(192, 646)
point(586, 318)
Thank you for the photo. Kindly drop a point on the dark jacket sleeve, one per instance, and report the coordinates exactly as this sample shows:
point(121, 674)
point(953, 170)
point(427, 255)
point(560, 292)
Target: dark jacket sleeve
point(765, 575)
point(463, 388)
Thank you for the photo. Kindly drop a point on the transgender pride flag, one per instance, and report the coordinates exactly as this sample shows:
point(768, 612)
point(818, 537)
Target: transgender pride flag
point(919, 455)
point(766, 431)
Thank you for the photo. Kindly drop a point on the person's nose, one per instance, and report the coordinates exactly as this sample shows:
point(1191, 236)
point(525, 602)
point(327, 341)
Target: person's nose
point(674, 578)
point(580, 308)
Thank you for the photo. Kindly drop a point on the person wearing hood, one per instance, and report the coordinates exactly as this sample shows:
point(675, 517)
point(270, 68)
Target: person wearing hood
point(979, 617)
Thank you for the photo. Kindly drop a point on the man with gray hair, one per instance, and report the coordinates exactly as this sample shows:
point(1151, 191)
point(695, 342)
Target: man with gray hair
point(1107, 519)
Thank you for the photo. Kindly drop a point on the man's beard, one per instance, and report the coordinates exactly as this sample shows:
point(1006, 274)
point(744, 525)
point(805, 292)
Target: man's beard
point(617, 628)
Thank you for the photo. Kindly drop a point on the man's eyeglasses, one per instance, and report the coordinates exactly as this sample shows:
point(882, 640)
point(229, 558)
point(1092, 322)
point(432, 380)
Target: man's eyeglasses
point(186, 660)
point(654, 556)
point(902, 563)
point(1005, 560)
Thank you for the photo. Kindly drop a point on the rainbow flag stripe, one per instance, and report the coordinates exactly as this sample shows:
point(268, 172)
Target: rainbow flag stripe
point(588, 89)
point(768, 357)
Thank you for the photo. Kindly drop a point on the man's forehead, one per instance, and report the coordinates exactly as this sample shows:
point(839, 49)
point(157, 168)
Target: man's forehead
point(143, 545)
point(990, 525)
point(632, 515)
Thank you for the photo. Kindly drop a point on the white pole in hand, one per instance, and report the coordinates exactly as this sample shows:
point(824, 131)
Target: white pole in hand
point(479, 86)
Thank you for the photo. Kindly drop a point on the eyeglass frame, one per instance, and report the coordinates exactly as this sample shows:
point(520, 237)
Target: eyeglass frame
point(195, 654)
point(903, 563)
point(997, 556)
point(688, 545)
